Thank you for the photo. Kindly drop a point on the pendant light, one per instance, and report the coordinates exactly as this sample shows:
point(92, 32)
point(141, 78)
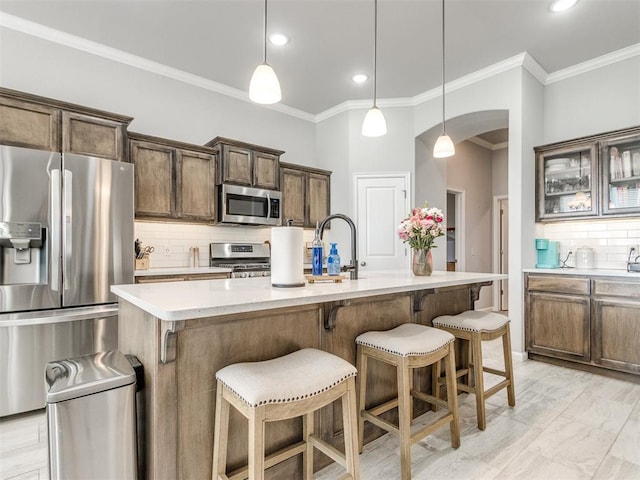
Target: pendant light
point(444, 146)
point(374, 124)
point(264, 86)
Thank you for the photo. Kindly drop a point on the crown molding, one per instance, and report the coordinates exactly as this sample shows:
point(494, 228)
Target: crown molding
point(488, 145)
point(595, 63)
point(524, 60)
point(72, 41)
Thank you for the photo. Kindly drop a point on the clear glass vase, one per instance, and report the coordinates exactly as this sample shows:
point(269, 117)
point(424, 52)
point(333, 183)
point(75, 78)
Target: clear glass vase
point(422, 262)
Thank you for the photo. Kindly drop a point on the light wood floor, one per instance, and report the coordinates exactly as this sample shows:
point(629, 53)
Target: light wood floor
point(567, 424)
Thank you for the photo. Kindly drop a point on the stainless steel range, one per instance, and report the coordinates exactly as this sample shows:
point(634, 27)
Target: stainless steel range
point(245, 260)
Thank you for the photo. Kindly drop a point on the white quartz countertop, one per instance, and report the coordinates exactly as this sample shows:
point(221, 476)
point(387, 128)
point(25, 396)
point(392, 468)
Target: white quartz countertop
point(206, 298)
point(594, 272)
point(179, 271)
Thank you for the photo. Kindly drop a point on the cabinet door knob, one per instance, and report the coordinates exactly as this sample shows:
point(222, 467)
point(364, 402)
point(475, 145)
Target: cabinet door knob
point(363, 264)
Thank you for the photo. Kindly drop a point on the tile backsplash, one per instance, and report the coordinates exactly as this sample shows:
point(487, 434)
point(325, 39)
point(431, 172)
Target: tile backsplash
point(610, 239)
point(172, 240)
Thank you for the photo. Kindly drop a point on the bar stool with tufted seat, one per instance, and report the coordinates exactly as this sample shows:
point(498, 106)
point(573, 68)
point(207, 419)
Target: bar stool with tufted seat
point(290, 386)
point(476, 327)
point(407, 347)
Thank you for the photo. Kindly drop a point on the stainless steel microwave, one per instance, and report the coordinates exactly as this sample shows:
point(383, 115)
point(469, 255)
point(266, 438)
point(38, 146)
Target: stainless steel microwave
point(249, 206)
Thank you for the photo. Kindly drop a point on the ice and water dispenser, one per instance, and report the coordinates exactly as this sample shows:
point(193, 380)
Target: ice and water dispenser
point(22, 256)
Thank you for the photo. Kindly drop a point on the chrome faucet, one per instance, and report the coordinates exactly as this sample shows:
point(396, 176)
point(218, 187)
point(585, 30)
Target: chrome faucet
point(353, 263)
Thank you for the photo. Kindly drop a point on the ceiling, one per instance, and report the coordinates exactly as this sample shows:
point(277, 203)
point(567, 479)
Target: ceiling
point(221, 40)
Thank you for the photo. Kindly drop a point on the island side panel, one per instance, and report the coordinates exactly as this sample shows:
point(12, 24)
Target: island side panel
point(139, 334)
point(207, 345)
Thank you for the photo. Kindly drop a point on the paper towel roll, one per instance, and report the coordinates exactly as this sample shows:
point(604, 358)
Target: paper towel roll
point(287, 250)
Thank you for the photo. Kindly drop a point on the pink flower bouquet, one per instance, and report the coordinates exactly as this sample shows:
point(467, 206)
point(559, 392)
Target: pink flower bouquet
point(422, 227)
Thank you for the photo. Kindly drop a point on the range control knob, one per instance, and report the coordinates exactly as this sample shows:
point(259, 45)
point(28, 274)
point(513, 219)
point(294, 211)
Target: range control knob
point(252, 274)
point(265, 274)
point(241, 275)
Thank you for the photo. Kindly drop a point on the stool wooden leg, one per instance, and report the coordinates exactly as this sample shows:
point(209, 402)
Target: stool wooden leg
point(307, 455)
point(476, 348)
point(452, 397)
point(508, 366)
point(467, 348)
point(404, 418)
point(349, 424)
point(361, 366)
point(221, 434)
point(436, 371)
point(256, 444)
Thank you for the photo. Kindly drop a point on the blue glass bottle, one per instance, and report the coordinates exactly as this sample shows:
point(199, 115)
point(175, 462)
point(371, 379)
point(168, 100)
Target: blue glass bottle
point(316, 254)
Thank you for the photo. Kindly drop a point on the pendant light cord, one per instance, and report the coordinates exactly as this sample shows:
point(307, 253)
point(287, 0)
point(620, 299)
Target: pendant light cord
point(443, 127)
point(265, 31)
point(375, 49)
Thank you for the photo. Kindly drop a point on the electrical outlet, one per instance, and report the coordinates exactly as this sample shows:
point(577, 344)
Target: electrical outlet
point(164, 250)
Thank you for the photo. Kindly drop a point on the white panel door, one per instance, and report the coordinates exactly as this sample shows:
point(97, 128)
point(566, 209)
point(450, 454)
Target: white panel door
point(381, 204)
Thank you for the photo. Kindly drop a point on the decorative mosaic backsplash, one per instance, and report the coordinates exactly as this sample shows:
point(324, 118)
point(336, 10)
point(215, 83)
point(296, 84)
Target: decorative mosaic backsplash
point(610, 239)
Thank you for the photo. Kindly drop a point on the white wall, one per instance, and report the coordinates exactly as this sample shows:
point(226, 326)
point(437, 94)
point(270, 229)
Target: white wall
point(161, 106)
point(597, 101)
point(470, 170)
point(500, 172)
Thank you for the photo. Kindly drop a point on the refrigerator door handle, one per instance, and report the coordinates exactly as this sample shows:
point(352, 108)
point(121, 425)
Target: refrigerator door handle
point(54, 233)
point(67, 229)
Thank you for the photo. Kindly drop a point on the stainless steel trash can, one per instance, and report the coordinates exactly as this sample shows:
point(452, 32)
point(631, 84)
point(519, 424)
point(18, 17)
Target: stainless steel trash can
point(91, 417)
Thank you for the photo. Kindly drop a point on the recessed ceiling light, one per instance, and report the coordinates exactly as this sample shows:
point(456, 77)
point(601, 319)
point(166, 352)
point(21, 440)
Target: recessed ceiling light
point(360, 77)
point(278, 39)
point(562, 5)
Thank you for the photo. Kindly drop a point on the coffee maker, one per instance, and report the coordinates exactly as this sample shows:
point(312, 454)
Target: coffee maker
point(548, 253)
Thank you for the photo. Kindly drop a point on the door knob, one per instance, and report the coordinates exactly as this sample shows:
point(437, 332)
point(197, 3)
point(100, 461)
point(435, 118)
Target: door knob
point(363, 264)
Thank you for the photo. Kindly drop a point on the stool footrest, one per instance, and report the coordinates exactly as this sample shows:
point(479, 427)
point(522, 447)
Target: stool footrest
point(329, 450)
point(496, 388)
point(429, 399)
point(271, 460)
point(494, 371)
point(383, 407)
point(465, 388)
point(379, 422)
point(433, 426)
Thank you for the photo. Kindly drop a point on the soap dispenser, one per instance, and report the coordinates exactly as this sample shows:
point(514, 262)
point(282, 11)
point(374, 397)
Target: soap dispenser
point(333, 260)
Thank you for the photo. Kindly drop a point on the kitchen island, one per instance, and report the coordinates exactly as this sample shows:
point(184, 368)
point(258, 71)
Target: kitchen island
point(184, 332)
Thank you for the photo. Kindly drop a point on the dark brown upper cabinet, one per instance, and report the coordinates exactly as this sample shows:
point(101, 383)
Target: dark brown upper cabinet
point(46, 124)
point(306, 194)
point(247, 164)
point(173, 180)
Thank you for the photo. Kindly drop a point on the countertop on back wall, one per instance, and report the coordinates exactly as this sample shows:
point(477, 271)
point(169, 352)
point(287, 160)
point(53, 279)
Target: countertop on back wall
point(593, 272)
point(179, 271)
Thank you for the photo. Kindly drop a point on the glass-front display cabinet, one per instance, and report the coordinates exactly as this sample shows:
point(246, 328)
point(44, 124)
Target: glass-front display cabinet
point(567, 183)
point(621, 175)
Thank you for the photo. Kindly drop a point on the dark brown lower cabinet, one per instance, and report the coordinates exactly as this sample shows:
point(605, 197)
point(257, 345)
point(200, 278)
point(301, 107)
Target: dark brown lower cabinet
point(590, 320)
point(559, 325)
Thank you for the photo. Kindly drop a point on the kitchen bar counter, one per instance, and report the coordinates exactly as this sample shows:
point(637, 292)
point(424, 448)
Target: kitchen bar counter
point(184, 332)
point(186, 301)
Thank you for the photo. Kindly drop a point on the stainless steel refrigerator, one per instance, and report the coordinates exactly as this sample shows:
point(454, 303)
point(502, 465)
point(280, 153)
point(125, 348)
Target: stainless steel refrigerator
point(66, 236)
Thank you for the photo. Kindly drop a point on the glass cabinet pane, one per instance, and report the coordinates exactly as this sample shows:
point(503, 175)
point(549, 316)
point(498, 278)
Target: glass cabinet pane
point(566, 183)
point(621, 175)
